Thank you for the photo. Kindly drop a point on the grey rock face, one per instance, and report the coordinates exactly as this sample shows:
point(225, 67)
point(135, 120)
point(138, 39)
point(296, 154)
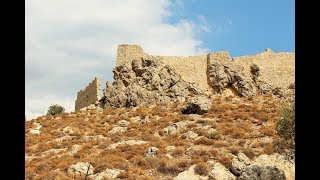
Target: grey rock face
point(255, 71)
point(265, 88)
point(197, 105)
point(239, 163)
point(262, 173)
point(221, 76)
point(145, 83)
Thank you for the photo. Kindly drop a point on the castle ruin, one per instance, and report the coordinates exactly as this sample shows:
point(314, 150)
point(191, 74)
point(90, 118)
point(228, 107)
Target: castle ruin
point(205, 72)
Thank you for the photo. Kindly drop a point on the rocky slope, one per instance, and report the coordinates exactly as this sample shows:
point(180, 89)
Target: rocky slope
point(232, 139)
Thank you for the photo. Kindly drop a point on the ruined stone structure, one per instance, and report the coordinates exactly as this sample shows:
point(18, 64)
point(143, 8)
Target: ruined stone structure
point(88, 95)
point(139, 75)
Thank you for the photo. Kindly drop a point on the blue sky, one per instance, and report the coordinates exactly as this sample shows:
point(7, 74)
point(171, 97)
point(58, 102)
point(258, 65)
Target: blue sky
point(242, 27)
point(68, 43)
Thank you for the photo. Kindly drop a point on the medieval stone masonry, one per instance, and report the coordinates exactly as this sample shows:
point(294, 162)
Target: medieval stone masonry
point(211, 73)
point(88, 95)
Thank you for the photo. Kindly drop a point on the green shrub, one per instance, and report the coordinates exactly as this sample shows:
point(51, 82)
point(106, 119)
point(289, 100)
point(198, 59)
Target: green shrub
point(286, 122)
point(55, 109)
point(285, 128)
point(213, 135)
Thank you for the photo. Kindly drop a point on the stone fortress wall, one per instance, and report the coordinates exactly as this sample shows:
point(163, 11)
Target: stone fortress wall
point(88, 95)
point(191, 68)
point(276, 68)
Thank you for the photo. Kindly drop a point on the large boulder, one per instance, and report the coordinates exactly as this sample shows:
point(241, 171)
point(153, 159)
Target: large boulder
point(190, 173)
point(239, 163)
point(218, 171)
point(279, 161)
point(262, 173)
point(197, 105)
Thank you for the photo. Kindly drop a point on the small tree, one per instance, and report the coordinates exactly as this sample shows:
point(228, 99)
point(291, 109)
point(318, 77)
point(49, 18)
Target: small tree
point(285, 125)
point(55, 109)
point(285, 128)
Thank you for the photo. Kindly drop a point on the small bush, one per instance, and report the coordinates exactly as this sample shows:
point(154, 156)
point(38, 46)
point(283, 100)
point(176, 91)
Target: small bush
point(55, 109)
point(286, 123)
point(285, 128)
point(166, 168)
point(213, 135)
point(202, 169)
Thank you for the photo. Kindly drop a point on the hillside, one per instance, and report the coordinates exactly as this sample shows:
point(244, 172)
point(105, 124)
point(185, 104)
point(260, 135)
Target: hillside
point(236, 138)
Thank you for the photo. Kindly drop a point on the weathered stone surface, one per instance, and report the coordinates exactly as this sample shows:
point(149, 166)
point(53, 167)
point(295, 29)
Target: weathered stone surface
point(128, 142)
point(107, 174)
point(146, 82)
point(80, 169)
point(239, 163)
point(279, 161)
point(220, 172)
point(190, 135)
point(221, 76)
point(255, 71)
point(264, 88)
point(174, 127)
point(64, 138)
point(67, 130)
point(123, 123)
point(262, 173)
point(190, 174)
point(152, 151)
point(197, 105)
point(278, 92)
point(118, 129)
point(91, 107)
point(74, 149)
point(90, 138)
point(192, 74)
point(88, 95)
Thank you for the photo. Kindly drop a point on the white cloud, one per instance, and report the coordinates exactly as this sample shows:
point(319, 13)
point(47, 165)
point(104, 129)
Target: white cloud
point(68, 43)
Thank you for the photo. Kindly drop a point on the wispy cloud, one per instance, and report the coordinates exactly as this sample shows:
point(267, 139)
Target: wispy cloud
point(203, 24)
point(70, 42)
point(224, 25)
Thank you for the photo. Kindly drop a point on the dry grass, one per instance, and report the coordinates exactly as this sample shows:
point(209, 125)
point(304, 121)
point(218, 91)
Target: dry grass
point(202, 169)
point(225, 160)
point(205, 141)
point(179, 151)
point(169, 168)
point(233, 122)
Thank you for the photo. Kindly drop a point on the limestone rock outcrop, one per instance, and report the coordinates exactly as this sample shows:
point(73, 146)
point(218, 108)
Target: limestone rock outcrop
point(197, 105)
point(262, 172)
point(221, 76)
point(80, 169)
point(144, 83)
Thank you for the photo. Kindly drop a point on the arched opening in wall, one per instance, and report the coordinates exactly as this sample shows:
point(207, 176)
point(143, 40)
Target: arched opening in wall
point(87, 98)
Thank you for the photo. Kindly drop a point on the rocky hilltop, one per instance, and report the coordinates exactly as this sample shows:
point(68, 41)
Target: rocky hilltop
point(141, 79)
point(162, 120)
